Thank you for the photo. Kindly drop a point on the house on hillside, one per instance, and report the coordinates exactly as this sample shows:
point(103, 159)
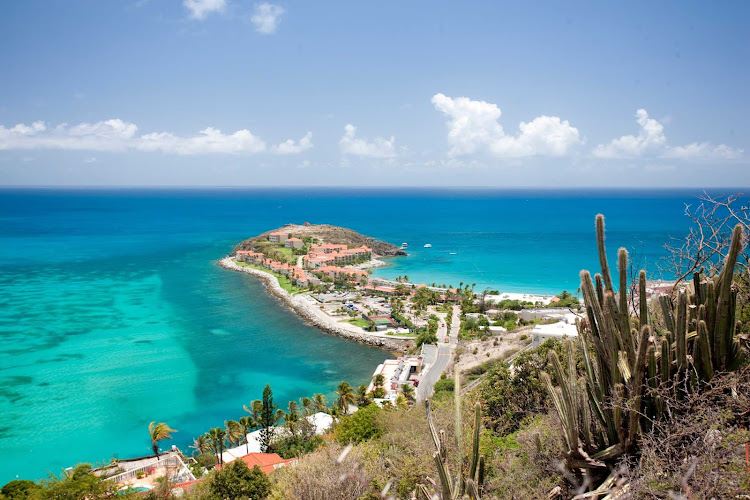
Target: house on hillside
point(295, 243)
point(267, 462)
point(278, 237)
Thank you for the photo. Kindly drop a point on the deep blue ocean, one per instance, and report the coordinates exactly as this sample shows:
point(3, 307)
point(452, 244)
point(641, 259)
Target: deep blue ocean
point(113, 312)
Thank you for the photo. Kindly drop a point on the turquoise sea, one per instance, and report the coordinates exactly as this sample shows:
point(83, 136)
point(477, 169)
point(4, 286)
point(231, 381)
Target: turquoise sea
point(113, 312)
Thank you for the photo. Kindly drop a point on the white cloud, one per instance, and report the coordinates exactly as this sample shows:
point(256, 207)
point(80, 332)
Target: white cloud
point(378, 148)
point(210, 140)
point(703, 150)
point(650, 137)
point(266, 17)
point(117, 135)
point(474, 126)
point(293, 147)
point(199, 9)
point(652, 141)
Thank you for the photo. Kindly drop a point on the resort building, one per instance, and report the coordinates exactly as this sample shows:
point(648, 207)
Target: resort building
point(556, 331)
point(331, 254)
point(278, 237)
point(559, 314)
point(248, 256)
point(295, 243)
point(542, 300)
point(146, 472)
point(334, 272)
point(397, 372)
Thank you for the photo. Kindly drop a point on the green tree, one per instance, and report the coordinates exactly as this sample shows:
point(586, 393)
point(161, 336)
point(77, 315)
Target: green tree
point(78, 484)
point(346, 397)
point(363, 398)
point(20, 489)
point(361, 426)
point(408, 392)
point(267, 418)
point(237, 481)
point(508, 398)
point(159, 432)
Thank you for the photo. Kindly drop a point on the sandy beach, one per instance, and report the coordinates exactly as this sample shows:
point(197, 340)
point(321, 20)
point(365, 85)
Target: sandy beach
point(370, 264)
point(309, 310)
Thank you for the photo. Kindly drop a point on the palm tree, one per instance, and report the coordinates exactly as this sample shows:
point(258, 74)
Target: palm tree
point(254, 408)
point(363, 398)
point(307, 405)
point(408, 391)
point(335, 413)
point(158, 433)
point(247, 423)
point(200, 445)
point(234, 431)
point(401, 401)
point(346, 397)
point(217, 435)
point(319, 402)
point(291, 417)
point(379, 380)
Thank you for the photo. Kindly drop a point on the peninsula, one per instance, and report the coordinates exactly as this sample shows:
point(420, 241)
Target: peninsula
point(322, 273)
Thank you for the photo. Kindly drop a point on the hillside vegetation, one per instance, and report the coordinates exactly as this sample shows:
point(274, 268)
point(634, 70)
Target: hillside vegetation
point(324, 233)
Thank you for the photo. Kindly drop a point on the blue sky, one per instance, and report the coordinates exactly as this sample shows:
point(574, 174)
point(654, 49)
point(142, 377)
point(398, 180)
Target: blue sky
point(417, 93)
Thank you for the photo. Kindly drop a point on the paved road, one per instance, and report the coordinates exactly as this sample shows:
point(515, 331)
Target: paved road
point(427, 384)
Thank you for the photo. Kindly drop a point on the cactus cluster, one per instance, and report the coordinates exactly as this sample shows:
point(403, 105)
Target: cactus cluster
point(626, 358)
point(464, 485)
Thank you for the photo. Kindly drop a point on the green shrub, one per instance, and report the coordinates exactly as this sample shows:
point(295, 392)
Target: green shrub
point(507, 400)
point(290, 447)
point(19, 489)
point(237, 481)
point(360, 426)
point(523, 337)
point(444, 384)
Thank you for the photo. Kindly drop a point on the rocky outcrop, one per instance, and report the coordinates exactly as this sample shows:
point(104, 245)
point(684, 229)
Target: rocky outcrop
point(328, 234)
point(302, 309)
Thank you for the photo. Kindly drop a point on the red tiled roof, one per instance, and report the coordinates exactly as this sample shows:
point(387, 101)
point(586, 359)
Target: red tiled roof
point(268, 462)
point(188, 486)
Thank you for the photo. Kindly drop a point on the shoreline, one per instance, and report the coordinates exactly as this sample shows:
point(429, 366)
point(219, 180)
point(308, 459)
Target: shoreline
point(371, 264)
point(307, 312)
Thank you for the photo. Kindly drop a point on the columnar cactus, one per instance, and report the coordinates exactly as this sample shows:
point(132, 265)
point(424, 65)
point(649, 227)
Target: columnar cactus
point(463, 486)
point(623, 365)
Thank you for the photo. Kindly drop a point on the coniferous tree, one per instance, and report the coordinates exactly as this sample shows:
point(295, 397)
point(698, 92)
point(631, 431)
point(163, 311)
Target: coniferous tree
point(267, 418)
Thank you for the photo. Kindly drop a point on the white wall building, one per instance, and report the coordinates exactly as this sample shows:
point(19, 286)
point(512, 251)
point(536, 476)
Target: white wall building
point(556, 331)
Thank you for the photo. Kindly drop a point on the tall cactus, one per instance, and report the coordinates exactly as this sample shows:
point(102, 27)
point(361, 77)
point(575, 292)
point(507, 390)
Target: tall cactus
point(463, 486)
point(622, 366)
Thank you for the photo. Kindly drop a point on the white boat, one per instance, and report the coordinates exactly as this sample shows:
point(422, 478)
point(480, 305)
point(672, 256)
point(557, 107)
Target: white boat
point(427, 245)
point(453, 253)
point(404, 245)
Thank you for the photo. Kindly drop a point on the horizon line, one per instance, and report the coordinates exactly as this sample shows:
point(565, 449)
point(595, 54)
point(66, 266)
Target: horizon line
point(359, 187)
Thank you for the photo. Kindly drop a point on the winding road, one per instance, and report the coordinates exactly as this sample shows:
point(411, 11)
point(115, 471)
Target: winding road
point(432, 375)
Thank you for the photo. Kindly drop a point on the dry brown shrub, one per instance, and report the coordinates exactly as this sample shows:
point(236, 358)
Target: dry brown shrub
point(700, 452)
point(319, 476)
